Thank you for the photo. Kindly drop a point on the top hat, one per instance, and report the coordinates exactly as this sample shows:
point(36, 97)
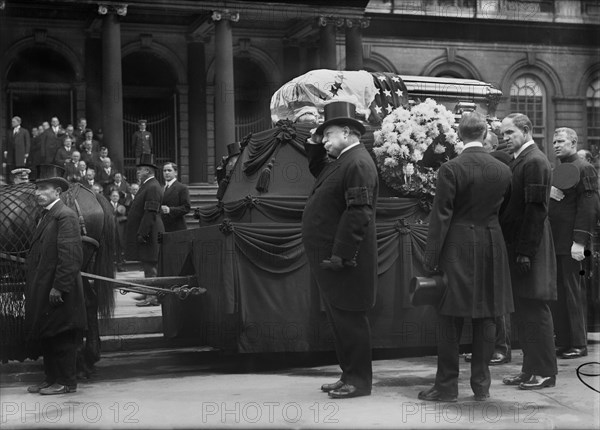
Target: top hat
point(233, 149)
point(428, 290)
point(341, 113)
point(49, 173)
point(142, 121)
point(146, 160)
point(565, 176)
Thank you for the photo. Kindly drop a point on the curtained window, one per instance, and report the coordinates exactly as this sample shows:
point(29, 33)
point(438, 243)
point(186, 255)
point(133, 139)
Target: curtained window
point(593, 116)
point(527, 96)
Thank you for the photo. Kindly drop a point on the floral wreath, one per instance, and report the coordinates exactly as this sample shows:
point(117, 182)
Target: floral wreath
point(412, 144)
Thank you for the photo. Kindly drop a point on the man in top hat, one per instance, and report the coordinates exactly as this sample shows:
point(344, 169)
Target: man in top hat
point(19, 143)
point(144, 223)
point(142, 140)
point(338, 231)
point(531, 255)
point(20, 175)
point(572, 214)
point(54, 306)
point(465, 241)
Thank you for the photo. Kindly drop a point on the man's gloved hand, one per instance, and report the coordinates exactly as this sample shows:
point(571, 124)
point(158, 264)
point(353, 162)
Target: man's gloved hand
point(523, 264)
point(55, 297)
point(577, 252)
point(336, 263)
point(556, 194)
point(142, 240)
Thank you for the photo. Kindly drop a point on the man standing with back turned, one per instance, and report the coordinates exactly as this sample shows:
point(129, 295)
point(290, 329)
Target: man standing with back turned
point(531, 252)
point(465, 241)
point(338, 231)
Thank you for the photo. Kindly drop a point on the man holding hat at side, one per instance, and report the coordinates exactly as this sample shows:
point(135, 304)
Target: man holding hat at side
point(144, 223)
point(338, 232)
point(142, 140)
point(54, 303)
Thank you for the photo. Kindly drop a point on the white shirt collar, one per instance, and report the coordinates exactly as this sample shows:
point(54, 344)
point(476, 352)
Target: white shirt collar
point(522, 148)
point(473, 145)
point(347, 148)
point(51, 205)
point(151, 177)
point(169, 183)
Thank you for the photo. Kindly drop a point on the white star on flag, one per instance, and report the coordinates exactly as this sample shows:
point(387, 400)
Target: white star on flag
point(378, 109)
point(387, 93)
point(395, 79)
point(400, 93)
point(381, 78)
point(389, 108)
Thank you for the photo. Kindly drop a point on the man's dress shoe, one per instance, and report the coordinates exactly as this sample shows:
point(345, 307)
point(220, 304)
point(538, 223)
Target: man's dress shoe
point(434, 395)
point(516, 380)
point(499, 358)
point(38, 387)
point(330, 387)
point(538, 382)
point(560, 350)
point(348, 391)
point(481, 397)
point(57, 389)
point(575, 353)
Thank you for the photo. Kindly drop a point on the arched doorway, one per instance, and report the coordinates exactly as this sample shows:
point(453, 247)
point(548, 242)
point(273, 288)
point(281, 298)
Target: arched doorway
point(252, 97)
point(40, 86)
point(149, 92)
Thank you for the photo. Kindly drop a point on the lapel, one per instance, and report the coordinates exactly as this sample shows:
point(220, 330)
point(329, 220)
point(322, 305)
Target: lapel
point(515, 162)
point(328, 171)
point(42, 225)
point(170, 189)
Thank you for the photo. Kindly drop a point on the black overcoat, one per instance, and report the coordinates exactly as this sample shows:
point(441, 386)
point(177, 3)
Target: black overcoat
point(143, 220)
point(465, 238)
point(177, 198)
point(339, 219)
point(526, 226)
point(55, 260)
point(18, 145)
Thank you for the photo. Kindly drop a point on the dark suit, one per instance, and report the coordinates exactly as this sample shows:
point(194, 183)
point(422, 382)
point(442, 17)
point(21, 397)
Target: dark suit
point(142, 143)
point(465, 241)
point(54, 261)
point(339, 219)
point(145, 224)
point(50, 143)
point(527, 232)
point(177, 198)
point(572, 220)
point(35, 154)
point(62, 155)
point(91, 159)
point(123, 187)
point(105, 178)
point(19, 144)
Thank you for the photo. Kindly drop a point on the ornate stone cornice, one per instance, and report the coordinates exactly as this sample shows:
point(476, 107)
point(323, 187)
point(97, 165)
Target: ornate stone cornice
point(119, 9)
point(219, 15)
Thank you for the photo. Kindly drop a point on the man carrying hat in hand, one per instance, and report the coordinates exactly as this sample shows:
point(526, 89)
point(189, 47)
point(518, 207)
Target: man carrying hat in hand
point(144, 223)
point(54, 303)
point(338, 231)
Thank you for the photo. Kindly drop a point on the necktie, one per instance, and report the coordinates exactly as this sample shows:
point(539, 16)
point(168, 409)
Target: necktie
point(16, 130)
point(44, 212)
point(166, 187)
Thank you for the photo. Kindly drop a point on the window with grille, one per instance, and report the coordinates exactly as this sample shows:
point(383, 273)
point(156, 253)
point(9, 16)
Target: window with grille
point(527, 96)
point(593, 116)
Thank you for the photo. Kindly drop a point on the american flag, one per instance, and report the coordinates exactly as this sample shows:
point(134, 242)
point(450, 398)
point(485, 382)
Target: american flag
point(391, 93)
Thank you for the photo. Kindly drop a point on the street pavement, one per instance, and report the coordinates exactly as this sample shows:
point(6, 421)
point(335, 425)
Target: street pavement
point(203, 388)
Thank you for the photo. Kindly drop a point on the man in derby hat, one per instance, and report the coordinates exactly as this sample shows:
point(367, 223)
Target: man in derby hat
point(54, 303)
point(142, 140)
point(465, 241)
point(20, 175)
point(338, 231)
point(144, 223)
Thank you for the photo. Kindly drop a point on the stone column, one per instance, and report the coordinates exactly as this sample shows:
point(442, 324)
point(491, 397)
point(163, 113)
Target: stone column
point(112, 83)
point(224, 85)
point(93, 78)
point(354, 48)
point(198, 147)
point(327, 41)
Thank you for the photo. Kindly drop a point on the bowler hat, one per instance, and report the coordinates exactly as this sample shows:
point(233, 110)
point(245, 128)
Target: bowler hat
point(146, 160)
point(49, 173)
point(428, 290)
point(342, 114)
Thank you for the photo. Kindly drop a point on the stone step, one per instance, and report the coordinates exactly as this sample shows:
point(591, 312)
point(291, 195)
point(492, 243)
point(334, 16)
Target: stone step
point(135, 342)
point(130, 325)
